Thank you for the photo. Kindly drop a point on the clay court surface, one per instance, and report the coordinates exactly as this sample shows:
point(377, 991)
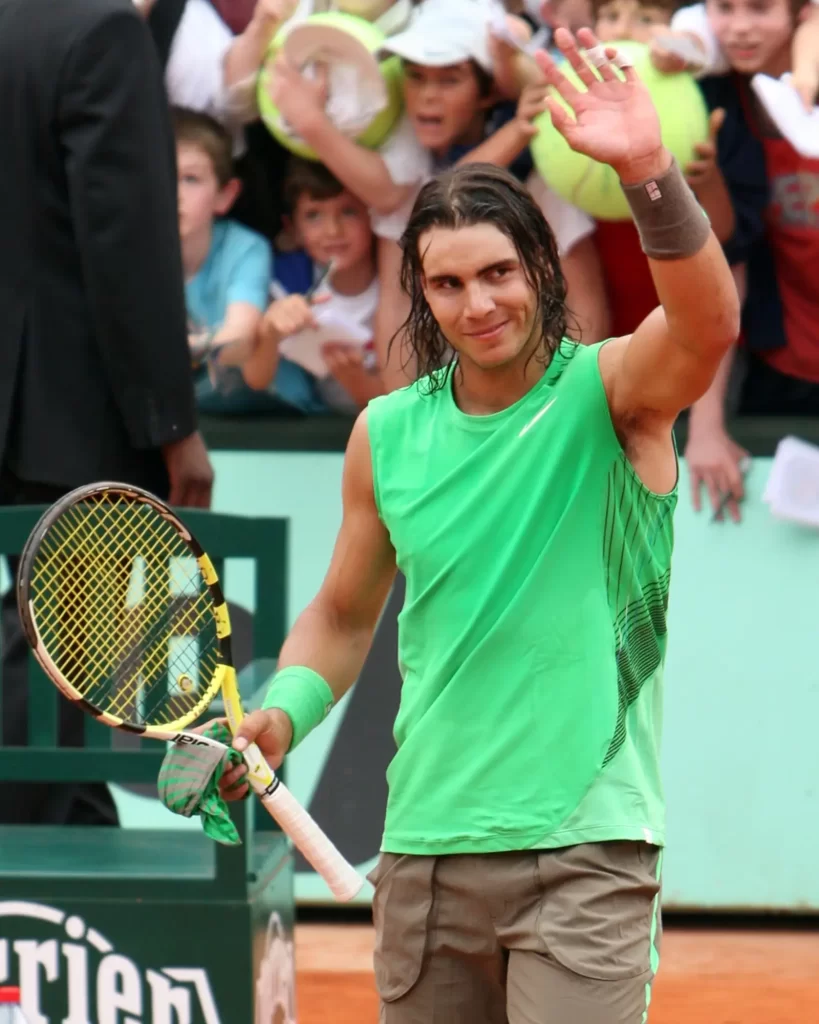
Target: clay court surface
point(713, 977)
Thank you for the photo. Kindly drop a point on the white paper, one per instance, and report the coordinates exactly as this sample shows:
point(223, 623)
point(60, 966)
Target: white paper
point(792, 490)
point(304, 348)
point(354, 100)
point(684, 48)
point(787, 112)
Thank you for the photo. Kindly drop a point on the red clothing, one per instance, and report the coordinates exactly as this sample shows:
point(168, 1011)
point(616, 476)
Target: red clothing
point(793, 230)
point(236, 14)
point(630, 286)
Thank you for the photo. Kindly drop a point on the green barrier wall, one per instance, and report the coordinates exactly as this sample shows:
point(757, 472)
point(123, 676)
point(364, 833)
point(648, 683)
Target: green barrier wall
point(741, 760)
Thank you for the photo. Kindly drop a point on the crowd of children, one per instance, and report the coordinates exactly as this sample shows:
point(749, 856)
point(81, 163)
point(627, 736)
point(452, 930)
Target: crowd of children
point(308, 320)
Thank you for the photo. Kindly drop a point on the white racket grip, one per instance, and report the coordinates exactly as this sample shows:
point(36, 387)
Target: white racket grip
point(341, 877)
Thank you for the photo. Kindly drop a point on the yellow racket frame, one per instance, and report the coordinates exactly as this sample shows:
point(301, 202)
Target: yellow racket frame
point(223, 677)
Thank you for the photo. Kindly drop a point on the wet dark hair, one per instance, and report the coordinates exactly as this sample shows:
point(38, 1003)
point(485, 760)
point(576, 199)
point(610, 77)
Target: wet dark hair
point(480, 194)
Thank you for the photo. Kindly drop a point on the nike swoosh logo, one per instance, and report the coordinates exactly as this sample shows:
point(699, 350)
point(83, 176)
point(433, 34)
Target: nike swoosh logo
point(535, 418)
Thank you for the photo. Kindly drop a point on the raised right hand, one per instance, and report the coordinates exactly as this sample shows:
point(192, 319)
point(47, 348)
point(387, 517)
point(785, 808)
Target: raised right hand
point(272, 732)
point(714, 461)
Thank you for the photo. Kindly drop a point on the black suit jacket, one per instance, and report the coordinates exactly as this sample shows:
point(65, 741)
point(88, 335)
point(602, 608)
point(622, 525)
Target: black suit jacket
point(94, 368)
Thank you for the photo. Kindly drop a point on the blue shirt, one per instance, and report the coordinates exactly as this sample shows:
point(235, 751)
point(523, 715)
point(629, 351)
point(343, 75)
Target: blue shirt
point(238, 268)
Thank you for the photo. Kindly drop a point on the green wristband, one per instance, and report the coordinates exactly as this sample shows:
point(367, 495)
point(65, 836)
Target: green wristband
point(304, 697)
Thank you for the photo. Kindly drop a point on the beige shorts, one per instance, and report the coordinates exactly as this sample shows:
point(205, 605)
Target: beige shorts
point(567, 936)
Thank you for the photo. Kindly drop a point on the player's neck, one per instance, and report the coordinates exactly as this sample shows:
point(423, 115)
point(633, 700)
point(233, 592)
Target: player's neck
point(195, 249)
point(480, 392)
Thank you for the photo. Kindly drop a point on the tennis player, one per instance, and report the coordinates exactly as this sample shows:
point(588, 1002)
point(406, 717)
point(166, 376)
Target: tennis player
point(526, 491)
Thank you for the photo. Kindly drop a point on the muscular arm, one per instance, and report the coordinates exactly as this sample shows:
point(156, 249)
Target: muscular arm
point(114, 128)
point(333, 634)
point(673, 356)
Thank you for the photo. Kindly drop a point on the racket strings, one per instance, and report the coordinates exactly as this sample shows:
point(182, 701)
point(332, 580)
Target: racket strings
point(123, 610)
point(156, 627)
point(186, 623)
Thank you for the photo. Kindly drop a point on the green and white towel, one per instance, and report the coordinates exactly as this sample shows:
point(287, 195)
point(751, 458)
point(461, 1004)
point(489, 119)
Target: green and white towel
point(188, 783)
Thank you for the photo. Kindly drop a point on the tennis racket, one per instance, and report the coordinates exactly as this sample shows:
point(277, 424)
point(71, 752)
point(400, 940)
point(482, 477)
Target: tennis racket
point(124, 611)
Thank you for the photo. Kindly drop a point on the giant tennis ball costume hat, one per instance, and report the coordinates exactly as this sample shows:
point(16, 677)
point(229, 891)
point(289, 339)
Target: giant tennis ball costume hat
point(595, 187)
point(364, 92)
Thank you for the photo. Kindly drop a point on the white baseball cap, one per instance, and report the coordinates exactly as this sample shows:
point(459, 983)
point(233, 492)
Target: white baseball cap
point(444, 32)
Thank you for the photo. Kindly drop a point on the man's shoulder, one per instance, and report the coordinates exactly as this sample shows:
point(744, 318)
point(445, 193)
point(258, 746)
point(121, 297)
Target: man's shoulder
point(60, 24)
point(83, 16)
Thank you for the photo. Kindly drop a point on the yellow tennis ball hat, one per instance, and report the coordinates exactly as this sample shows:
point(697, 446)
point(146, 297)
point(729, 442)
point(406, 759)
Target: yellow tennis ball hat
point(364, 92)
point(595, 187)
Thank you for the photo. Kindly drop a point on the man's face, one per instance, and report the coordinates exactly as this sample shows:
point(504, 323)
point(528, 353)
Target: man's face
point(755, 35)
point(477, 291)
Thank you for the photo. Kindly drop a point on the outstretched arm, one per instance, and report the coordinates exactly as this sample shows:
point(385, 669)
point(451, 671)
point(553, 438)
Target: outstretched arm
point(673, 356)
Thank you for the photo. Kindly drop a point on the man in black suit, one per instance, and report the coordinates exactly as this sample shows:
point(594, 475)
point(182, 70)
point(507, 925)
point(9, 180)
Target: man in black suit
point(95, 376)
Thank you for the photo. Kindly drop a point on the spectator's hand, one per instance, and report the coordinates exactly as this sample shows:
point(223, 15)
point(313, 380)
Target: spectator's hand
point(189, 471)
point(715, 461)
point(704, 171)
point(532, 102)
point(272, 732)
point(299, 99)
point(290, 315)
point(672, 63)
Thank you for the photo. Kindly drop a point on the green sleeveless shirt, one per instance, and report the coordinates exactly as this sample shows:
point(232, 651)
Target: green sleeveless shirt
point(533, 634)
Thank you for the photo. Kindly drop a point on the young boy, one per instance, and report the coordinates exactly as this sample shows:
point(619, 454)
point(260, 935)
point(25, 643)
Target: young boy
point(227, 267)
point(330, 226)
point(775, 188)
